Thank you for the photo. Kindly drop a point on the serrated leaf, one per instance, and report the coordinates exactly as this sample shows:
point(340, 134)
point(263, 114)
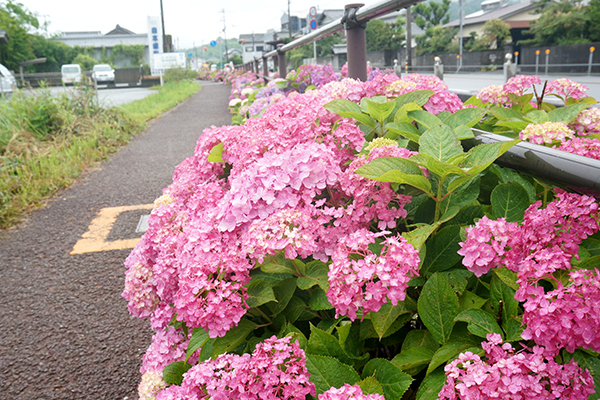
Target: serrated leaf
point(216, 153)
point(325, 344)
point(173, 373)
point(419, 338)
point(392, 379)
point(418, 96)
point(319, 301)
point(505, 113)
point(419, 236)
point(509, 201)
point(404, 129)
point(463, 132)
point(437, 167)
point(385, 317)
point(395, 169)
point(278, 263)
point(198, 339)
point(442, 254)
point(449, 351)
point(468, 117)
point(537, 116)
point(479, 322)
point(315, 274)
point(233, 338)
point(431, 385)
point(592, 364)
point(462, 196)
point(501, 293)
point(470, 300)
point(259, 293)
point(425, 118)
point(283, 291)
point(508, 277)
point(458, 279)
point(413, 359)
point(327, 372)
point(440, 143)
point(438, 306)
point(348, 109)
point(566, 114)
point(380, 111)
point(515, 126)
point(370, 385)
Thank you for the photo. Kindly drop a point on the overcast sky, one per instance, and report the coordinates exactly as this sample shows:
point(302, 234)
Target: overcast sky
point(189, 21)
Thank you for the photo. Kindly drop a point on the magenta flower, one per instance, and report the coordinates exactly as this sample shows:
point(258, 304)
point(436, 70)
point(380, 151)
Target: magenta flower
point(348, 392)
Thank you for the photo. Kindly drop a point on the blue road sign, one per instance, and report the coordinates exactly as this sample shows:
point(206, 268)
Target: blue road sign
point(190, 55)
point(213, 43)
point(313, 24)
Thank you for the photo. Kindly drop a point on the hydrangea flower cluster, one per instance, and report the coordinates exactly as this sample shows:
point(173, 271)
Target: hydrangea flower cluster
point(312, 74)
point(519, 84)
point(510, 374)
point(349, 392)
point(548, 132)
point(151, 384)
point(565, 88)
point(544, 243)
point(275, 370)
point(587, 122)
point(494, 94)
point(362, 280)
point(587, 147)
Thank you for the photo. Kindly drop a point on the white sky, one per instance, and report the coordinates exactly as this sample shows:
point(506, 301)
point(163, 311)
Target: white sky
point(189, 21)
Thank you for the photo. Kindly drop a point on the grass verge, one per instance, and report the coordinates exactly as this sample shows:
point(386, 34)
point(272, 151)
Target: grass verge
point(46, 142)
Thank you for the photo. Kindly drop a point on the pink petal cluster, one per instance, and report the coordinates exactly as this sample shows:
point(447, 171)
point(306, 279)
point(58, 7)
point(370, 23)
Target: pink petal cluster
point(168, 345)
point(582, 146)
point(566, 88)
point(519, 84)
point(348, 392)
point(548, 132)
point(507, 374)
point(276, 370)
point(362, 280)
point(493, 94)
point(150, 385)
point(587, 122)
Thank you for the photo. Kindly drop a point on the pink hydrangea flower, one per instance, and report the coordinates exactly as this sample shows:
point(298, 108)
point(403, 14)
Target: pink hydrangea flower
point(168, 345)
point(548, 132)
point(493, 94)
point(587, 122)
point(519, 84)
point(348, 392)
point(587, 147)
point(566, 88)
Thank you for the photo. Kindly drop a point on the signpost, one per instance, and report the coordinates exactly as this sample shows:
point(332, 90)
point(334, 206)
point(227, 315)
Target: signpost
point(313, 26)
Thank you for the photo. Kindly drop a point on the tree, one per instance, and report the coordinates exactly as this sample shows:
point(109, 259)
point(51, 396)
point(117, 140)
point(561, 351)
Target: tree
point(17, 21)
point(594, 15)
point(561, 22)
point(436, 40)
point(237, 60)
point(431, 13)
point(382, 36)
point(495, 33)
point(85, 62)
point(324, 49)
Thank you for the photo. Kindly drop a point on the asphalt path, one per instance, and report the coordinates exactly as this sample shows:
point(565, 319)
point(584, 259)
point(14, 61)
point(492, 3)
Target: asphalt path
point(110, 97)
point(65, 329)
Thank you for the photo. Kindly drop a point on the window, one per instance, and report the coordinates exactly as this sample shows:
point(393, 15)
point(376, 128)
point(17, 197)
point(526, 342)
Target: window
point(259, 48)
point(249, 48)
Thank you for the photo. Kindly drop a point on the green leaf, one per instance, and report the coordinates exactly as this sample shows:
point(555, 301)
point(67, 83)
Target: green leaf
point(463, 132)
point(431, 385)
point(440, 143)
point(206, 351)
point(467, 117)
point(437, 167)
point(325, 344)
point(479, 322)
point(507, 175)
point(380, 111)
point(509, 201)
point(319, 301)
point(404, 129)
point(537, 116)
point(566, 114)
point(508, 277)
point(470, 300)
point(233, 338)
point(395, 169)
point(216, 153)
point(419, 338)
point(385, 317)
point(327, 372)
point(425, 118)
point(418, 96)
point(442, 254)
point(278, 263)
point(348, 109)
point(590, 263)
point(458, 279)
point(198, 339)
point(463, 195)
point(506, 113)
point(438, 306)
point(449, 351)
point(283, 291)
point(259, 293)
point(173, 373)
point(294, 309)
point(501, 293)
point(392, 379)
point(315, 274)
point(370, 385)
point(515, 126)
point(413, 359)
point(419, 236)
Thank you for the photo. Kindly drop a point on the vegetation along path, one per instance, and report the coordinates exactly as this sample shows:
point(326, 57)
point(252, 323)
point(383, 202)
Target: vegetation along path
point(66, 331)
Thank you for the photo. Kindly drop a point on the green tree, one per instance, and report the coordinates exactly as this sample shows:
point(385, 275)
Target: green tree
point(85, 62)
point(437, 40)
point(324, 49)
point(237, 60)
point(431, 13)
point(56, 54)
point(561, 22)
point(18, 22)
point(494, 34)
point(382, 36)
point(594, 15)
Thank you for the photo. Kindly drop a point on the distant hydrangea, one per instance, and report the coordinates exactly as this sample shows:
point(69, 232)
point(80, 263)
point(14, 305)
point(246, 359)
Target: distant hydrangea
point(493, 94)
point(519, 84)
point(566, 88)
point(548, 132)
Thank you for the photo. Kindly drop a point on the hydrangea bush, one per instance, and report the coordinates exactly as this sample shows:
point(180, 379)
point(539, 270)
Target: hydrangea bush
point(341, 244)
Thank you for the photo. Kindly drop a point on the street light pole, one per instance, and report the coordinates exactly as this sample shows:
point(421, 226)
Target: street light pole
point(164, 37)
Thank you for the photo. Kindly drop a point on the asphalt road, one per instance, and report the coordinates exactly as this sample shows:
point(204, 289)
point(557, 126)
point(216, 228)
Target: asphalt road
point(111, 97)
point(65, 329)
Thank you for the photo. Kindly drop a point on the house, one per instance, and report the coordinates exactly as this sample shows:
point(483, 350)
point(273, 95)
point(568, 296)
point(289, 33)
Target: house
point(518, 16)
point(253, 46)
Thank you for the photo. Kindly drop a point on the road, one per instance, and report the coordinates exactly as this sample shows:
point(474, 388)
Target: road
point(109, 97)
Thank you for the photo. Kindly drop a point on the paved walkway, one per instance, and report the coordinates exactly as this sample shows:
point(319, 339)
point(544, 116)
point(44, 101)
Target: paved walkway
point(66, 331)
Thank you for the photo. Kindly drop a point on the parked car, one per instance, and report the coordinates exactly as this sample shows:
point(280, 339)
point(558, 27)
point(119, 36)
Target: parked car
point(103, 73)
point(8, 83)
point(71, 73)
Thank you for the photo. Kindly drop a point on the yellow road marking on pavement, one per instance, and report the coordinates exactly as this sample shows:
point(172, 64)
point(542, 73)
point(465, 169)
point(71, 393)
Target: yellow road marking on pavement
point(95, 238)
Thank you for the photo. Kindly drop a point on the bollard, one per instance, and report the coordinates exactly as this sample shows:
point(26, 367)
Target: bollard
point(397, 69)
point(516, 58)
point(590, 62)
point(356, 42)
point(438, 68)
point(510, 69)
point(547, 58)
point(281, 63)
point(406, 67)
point(537, 61)
point(457, 63)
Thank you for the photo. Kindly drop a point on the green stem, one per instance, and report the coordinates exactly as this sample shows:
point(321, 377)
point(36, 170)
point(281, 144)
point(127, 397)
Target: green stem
point(438, 201)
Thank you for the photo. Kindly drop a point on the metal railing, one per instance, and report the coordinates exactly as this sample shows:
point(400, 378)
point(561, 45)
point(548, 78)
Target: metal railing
point(354, 22)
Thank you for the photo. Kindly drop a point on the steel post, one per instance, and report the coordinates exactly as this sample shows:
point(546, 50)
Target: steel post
point(356, 42)
point(255, 69)
point(281, 63)
point(265, 67)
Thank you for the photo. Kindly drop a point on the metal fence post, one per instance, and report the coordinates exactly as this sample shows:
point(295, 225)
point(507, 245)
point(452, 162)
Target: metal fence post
point(516, 58)
point(547, 58)
point(537, 61)
point(265, 67)
point(281, 62)
point(356, 42)
point(255, 69)
point(591, 58)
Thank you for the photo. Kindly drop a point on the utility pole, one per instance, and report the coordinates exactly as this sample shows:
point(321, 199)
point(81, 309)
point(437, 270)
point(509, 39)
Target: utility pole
point(164, 37)
point(289, 20)
point(408, 38)
point(225, 34)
